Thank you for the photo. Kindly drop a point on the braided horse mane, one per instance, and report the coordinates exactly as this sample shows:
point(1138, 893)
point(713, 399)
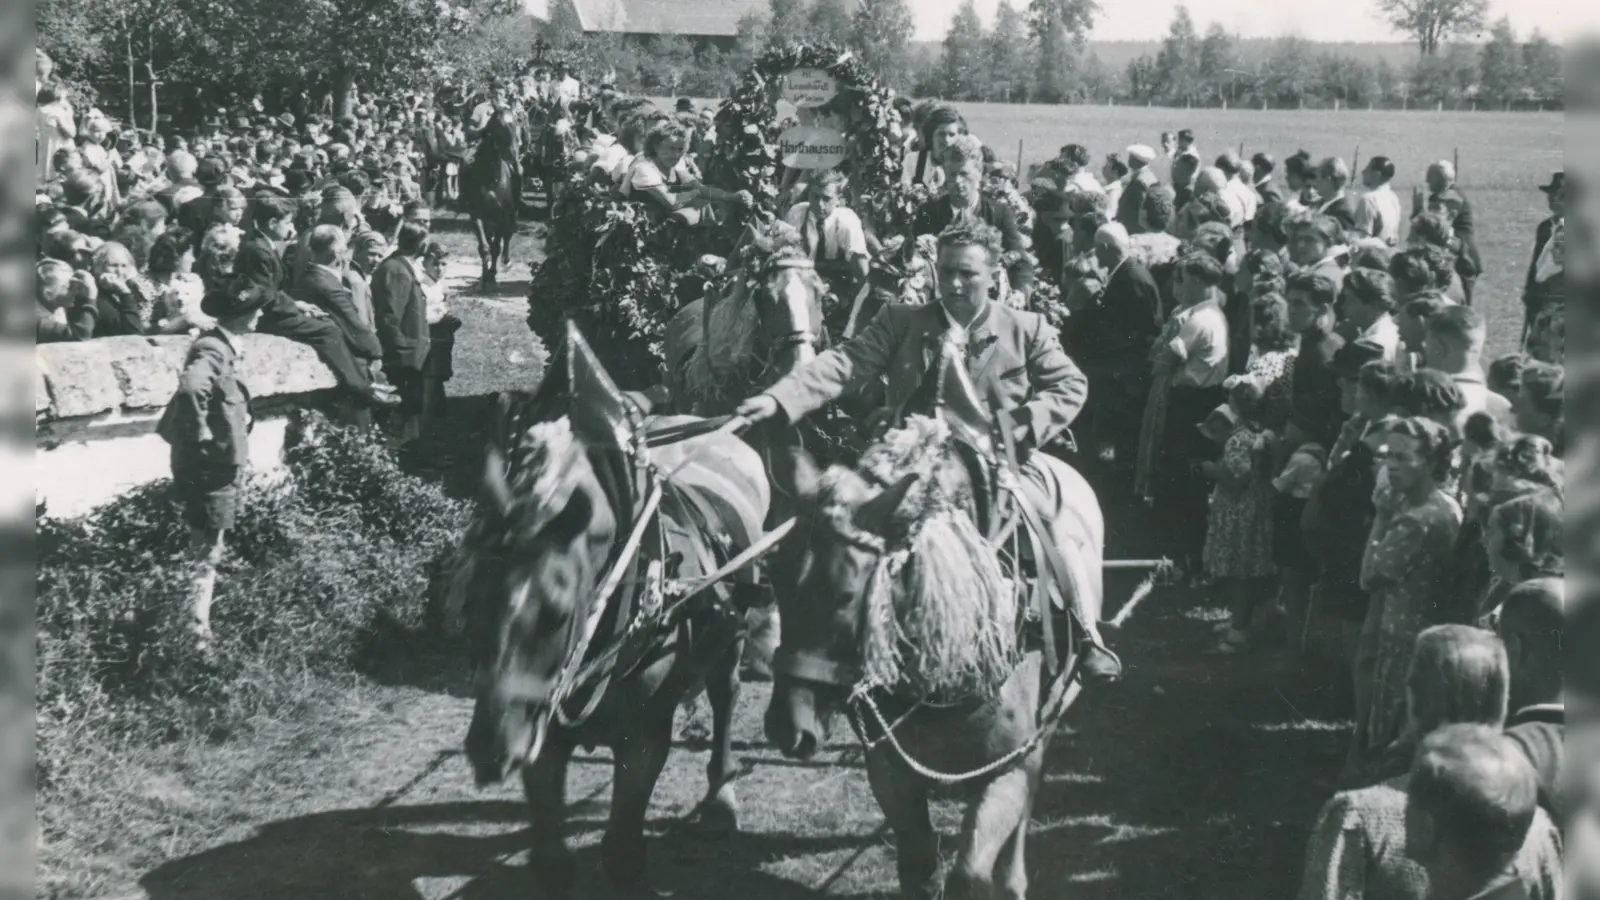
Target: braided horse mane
point(940, 615)
point(730, 361)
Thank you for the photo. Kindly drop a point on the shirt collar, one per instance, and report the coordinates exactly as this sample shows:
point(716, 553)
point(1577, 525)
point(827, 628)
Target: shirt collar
point(231, 339)
point(1553, 713)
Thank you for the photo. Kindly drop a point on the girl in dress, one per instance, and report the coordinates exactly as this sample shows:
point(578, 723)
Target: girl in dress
point(1238, 550)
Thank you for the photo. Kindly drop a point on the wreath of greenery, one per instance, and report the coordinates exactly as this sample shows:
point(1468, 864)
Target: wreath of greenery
point(746, 156)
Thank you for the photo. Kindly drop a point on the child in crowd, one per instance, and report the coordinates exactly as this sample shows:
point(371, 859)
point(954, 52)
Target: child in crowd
point(1238, 549)
point(1504, 375)
point(207, 424)
point(1292, 488)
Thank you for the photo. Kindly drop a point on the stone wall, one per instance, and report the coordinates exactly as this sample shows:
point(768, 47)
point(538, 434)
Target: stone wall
point(96, 404)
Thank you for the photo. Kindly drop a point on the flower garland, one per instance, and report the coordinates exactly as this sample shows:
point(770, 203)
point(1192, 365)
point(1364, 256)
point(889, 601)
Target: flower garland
point(746, 156)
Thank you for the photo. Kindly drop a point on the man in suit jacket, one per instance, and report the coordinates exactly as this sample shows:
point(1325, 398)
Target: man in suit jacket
point(1011, 355)
point(400, 312)
point(260, 263)
point(1546, 278)
point(1140, 181)
point(1333, 184)
point(964, 199)
point(1444, 196)
point(1112, 340)
point(1267, 191)
point(207, 425)
point(325, 287)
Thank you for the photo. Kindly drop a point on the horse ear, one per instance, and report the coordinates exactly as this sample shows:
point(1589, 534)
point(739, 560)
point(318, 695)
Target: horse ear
point(873, 514)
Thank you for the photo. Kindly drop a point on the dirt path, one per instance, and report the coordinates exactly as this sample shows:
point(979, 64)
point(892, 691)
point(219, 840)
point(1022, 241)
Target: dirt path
point(1195, 778)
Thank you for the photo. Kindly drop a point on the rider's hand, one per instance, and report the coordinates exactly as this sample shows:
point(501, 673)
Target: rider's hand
point(307, 309)
point(758, 408)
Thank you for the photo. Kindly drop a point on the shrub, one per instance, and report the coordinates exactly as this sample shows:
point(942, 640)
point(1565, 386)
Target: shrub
point(315, 566)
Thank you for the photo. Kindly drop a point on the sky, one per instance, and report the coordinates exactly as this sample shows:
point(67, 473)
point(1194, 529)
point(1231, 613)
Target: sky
point(1354, 20)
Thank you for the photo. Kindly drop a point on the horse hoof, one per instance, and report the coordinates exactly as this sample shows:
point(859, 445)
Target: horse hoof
point(719, 813)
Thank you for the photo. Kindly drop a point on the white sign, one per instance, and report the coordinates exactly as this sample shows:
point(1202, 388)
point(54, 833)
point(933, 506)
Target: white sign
point(811, 148)
point(809, 87)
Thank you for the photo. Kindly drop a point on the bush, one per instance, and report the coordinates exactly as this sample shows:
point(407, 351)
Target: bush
point(315, 566)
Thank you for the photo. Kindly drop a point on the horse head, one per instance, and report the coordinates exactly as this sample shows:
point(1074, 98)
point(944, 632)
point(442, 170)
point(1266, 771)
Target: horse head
point(790, 310)
point(889, 585)
point(534, 557)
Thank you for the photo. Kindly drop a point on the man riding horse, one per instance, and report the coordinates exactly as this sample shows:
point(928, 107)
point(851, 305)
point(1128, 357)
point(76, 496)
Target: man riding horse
point(1011, 355)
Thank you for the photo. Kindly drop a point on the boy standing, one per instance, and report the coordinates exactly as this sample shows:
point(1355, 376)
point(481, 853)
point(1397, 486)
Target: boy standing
point(207, 423)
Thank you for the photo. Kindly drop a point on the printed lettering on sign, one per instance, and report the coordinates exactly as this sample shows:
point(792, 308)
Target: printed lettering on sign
point(809, 87)
point(811, 148)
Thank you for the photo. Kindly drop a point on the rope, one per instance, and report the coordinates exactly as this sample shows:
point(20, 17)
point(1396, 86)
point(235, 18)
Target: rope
point(1004, 761)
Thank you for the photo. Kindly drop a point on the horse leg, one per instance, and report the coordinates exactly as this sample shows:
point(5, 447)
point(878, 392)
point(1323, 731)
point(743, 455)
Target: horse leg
point(903, 797)
point(638, 759)
point(990, 822)
point(508, 230)
point(1011, 873)
point(485, 250)
point(545, 785)
point(719, 811)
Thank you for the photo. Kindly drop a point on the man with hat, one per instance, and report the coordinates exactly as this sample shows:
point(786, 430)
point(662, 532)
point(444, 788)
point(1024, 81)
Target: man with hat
point(1444, 196)
point(1267, 191)
point(1140, 181)
point(198, 214)
point(207, 424)
point(1378, 212)
point(1546, 273)
point(1186, 146)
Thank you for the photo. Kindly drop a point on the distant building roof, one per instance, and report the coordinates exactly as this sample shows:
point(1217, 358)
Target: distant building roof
point(711, 18)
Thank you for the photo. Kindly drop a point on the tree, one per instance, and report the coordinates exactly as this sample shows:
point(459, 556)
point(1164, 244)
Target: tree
point(1216, 58)
point(963, 63)
point(1144, 85)
point(1287, 73)
point(1010, 55)
point(1060, 28)
point(1542, 65)
point(1178, 60)
point(1385, 81)
point(883, 30)
point(1501, 75)
point(787, 22)
point(828, 22)
point(749, 40)
point(1433, 22)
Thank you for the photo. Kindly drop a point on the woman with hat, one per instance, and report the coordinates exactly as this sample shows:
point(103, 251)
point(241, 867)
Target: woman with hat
point(207, 425)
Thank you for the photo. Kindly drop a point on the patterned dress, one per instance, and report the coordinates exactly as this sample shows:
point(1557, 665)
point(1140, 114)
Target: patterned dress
point(1358, 850)
point(1239, 520)
point(1407, 555)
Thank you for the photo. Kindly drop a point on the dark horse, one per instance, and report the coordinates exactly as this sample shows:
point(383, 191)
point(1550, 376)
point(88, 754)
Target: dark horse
point(585, 585)
point(491, 190)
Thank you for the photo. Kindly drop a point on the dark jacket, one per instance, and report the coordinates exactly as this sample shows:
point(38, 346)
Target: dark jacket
point(79, 324)
point(322, 288)
point(1314, 388)
point(207, 421)
point(118, 314)
point(1131, 202)
point(1539, 731)
point(1126, 319)
point(1342, 210)
point(1012, 354)
point(1533, 293)
point(1336, 523)
point(936, 215)
point(1452, 201)
point(1268, 191)
point(259, 262)
point(400, 314)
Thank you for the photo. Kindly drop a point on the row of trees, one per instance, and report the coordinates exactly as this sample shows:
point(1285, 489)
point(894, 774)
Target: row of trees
point(1214, 68)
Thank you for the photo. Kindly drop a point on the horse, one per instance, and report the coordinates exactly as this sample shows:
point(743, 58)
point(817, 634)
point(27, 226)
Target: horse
point(491, 191)
point(898, 607)
point(591, 584)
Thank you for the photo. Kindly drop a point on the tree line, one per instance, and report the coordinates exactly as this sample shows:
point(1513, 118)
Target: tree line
point(1215, 68)
point(138, 58)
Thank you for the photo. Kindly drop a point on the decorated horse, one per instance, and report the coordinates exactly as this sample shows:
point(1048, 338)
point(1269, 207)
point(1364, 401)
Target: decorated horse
point(491, 189)
point(918, 598)
point(593, 583)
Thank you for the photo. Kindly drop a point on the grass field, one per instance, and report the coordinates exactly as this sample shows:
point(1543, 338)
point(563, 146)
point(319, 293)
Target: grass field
point(1196, 778)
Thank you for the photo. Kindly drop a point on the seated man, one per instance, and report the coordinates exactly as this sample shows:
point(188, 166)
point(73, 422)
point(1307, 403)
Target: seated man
point(1018, 356)
point(833, 235)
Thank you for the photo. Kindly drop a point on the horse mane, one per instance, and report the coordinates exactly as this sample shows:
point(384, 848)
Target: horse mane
point(939, 612)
